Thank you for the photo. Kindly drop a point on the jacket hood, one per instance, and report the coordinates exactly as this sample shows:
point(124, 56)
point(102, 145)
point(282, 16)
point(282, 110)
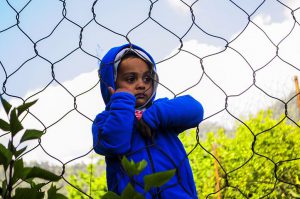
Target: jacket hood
point(110, 62)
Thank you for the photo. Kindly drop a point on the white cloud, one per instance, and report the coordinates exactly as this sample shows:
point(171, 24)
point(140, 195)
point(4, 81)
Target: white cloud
point(276, 31)
point(180, 6)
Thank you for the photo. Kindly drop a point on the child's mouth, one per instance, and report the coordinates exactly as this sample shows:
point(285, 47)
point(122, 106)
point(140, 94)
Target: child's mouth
point(140, 96)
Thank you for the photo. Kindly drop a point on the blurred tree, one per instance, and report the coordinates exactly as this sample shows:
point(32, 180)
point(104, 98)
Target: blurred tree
point(88, 182)
point(261, 159)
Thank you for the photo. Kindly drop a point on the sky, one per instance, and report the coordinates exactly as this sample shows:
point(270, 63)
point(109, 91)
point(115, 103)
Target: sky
point(228, 72)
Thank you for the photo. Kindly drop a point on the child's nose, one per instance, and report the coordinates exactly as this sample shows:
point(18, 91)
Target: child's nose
point(140, 84)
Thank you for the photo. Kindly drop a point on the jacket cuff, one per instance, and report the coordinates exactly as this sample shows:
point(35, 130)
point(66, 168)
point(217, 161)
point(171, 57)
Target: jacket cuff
point(122, 100)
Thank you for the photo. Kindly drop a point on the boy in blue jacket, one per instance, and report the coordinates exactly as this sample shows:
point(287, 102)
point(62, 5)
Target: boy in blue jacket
point(135, 125)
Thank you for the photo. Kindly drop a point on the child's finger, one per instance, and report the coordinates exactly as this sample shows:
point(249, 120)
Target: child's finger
point(111, 90)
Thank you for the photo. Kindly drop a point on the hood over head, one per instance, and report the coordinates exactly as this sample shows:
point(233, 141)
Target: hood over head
point(109, 65)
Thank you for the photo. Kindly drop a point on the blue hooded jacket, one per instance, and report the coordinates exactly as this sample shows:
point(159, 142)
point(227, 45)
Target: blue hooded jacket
point(115, 134)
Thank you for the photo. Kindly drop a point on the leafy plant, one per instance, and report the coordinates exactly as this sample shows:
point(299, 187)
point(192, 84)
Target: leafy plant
point(157, 179)
point(11, 160)
point(99, 190)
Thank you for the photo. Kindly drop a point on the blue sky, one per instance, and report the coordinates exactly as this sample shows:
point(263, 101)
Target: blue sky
point(39, 18)
point(77, 71)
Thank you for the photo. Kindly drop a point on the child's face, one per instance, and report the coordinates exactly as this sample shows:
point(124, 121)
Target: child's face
point(134, 76)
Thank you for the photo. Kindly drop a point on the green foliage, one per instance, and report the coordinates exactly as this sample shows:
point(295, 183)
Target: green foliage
point(88, 182)
point(261, 159)
point(12, 163)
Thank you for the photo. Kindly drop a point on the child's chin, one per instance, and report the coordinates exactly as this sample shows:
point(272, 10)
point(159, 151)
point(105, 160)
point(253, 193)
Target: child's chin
point(140, 103)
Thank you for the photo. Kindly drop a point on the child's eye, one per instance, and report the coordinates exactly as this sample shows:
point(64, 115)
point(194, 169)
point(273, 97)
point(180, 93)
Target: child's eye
point(147, 79)
point(130, 79)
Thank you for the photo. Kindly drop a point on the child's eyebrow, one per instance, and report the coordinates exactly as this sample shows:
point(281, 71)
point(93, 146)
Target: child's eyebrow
point(134, 73)
point(128, 73)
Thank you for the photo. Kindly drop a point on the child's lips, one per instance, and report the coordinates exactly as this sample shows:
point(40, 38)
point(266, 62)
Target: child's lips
point(140, 96)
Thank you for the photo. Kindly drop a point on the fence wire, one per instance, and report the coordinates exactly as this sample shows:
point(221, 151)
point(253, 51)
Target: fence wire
point(228, 44)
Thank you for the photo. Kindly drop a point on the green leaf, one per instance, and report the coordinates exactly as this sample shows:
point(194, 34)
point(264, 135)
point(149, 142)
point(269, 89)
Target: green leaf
point(22, 193)
point(52, 190)
point(130, 193)
point(5, 156)
point(30, 181)
point(31, 134)
point(25, 106)
point(15, 124)
point(52, 193)
point(128, 166)
point(111, 195)
point(4, 125)
point(18, 165)
point(132, 168)
point(58, 196)
point(158, 179)
point(18, 170)
point(37, 172)
point(6, 105)
point(38, 186)
point(23, 175)
point(19, 152)
point(140, 166)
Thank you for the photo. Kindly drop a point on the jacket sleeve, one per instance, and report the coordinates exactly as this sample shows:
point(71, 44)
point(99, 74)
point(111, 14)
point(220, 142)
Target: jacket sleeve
point(112, 129)
point(180, 113)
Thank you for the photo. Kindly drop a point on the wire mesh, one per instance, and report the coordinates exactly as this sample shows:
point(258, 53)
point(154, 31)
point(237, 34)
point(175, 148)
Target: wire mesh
point(71, 38)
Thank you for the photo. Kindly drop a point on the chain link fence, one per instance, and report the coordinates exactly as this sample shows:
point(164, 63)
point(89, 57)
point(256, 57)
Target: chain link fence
point(226, 54)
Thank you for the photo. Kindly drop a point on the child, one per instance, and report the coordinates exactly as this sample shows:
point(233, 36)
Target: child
point(135, 125)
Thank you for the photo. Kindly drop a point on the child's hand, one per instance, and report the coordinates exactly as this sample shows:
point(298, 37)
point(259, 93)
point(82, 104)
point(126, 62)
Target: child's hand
point(112, 91)
point(144, 129)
